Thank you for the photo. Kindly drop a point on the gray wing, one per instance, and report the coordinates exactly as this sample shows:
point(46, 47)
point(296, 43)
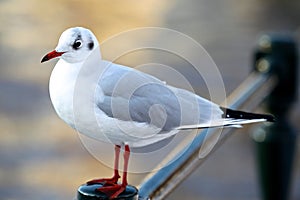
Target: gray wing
point(131, 95)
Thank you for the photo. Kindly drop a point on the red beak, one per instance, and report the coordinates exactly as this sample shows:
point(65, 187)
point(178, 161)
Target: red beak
point(52, 54)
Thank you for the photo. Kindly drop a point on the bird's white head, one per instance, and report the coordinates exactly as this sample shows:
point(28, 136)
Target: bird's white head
point(74, 45)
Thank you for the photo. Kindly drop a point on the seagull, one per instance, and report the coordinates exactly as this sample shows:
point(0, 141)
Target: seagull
point(126, 107)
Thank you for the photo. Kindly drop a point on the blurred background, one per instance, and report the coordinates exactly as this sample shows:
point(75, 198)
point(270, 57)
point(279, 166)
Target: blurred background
point(42, 158)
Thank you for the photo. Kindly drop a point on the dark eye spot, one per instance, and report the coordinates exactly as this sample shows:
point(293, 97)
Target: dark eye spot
point(91, 45)
point(77, 44)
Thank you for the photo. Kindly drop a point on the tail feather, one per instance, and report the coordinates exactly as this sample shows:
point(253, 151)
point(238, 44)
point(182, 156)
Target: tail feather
point(231, 118)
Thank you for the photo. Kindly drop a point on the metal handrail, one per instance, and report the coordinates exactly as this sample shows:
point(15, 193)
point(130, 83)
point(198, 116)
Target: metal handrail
point(276, 66)
point(159, 185)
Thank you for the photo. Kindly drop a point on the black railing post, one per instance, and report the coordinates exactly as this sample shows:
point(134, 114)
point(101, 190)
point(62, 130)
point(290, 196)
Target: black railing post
point(89, 192)
point(276, 143)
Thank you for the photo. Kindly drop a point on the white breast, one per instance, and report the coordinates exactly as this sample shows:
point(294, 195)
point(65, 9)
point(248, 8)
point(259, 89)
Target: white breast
point(61, 89)
point(73, 98)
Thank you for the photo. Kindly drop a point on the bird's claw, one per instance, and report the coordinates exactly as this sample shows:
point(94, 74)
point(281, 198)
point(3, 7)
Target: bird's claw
point(112, 191)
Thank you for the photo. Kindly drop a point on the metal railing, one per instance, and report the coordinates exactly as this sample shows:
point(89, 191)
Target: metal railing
point(275, 59)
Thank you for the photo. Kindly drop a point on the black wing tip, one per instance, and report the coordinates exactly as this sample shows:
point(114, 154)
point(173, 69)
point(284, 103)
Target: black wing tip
point(236, 114)
point(270, 118)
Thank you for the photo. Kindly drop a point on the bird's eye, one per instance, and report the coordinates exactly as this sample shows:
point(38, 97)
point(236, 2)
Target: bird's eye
point(77, 44)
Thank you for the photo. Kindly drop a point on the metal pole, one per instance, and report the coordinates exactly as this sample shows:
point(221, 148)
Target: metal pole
point(277, 55)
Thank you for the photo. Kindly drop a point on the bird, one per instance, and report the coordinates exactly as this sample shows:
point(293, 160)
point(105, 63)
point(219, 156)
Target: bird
point(123, 106)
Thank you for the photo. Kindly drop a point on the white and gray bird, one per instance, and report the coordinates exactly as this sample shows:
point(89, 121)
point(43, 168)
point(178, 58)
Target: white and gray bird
point(121, 105)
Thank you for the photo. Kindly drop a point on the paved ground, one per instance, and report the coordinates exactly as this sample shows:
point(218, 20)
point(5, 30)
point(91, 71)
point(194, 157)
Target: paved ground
point(42, 158)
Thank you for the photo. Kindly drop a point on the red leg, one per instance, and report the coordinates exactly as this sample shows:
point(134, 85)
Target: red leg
point(115, 190)
point(126, 160)
point(115, 178)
